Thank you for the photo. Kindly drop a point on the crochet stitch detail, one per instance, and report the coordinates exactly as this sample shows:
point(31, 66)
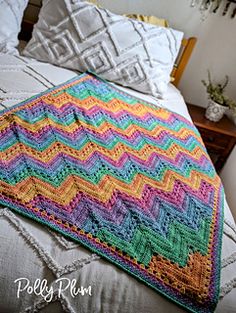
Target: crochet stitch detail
point(126, 179)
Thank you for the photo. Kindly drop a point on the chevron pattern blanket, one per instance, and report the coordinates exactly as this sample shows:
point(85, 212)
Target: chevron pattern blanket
point(129, 180)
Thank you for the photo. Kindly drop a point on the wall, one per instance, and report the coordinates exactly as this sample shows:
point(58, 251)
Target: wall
point(215, 50)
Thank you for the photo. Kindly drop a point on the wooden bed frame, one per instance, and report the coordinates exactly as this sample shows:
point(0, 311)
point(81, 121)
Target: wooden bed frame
point(183, 58)
point(180, 64)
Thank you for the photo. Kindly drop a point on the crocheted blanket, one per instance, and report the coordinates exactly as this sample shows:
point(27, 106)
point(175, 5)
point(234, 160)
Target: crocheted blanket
point(129, 180)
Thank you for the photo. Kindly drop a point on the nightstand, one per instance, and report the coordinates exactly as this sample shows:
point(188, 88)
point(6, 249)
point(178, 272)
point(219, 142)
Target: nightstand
point(219, 138)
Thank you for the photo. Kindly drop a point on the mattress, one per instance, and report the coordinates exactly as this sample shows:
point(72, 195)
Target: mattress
point(32, 253)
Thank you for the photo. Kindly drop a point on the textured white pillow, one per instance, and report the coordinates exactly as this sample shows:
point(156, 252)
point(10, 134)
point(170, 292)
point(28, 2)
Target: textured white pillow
point(81, 36)
point(11, 14)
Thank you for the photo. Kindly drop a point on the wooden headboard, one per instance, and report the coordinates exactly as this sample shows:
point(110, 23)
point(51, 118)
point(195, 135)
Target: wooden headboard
point(31, 16)
point(183, 58)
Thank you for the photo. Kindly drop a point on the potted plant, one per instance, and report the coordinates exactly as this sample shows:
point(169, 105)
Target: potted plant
point(218, 102)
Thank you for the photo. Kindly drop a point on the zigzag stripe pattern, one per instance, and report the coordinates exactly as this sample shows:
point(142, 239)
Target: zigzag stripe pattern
point(130, 181)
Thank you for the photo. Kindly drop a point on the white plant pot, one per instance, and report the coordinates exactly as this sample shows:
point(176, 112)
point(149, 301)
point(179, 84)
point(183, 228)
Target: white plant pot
point(215, 111)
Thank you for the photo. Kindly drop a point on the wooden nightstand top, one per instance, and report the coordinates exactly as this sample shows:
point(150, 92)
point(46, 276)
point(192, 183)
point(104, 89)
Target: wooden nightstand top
point(224, 126)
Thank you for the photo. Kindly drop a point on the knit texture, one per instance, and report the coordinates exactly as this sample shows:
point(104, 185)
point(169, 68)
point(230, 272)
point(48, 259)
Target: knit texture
point(131, 181)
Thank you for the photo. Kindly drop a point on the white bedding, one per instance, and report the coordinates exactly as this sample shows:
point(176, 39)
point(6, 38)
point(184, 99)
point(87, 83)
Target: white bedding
point(32, 251)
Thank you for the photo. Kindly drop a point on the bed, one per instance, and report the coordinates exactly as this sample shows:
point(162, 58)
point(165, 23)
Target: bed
point(31, 250)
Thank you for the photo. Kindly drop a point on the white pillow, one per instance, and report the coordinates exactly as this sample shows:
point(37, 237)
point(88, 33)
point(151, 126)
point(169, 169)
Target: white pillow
point(11, 14)
point(81, 36)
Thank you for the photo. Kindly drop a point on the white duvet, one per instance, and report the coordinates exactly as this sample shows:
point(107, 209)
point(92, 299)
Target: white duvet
point(29, 250)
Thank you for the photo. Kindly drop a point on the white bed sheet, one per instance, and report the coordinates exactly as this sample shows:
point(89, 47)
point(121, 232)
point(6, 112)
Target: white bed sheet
point(32, 251)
